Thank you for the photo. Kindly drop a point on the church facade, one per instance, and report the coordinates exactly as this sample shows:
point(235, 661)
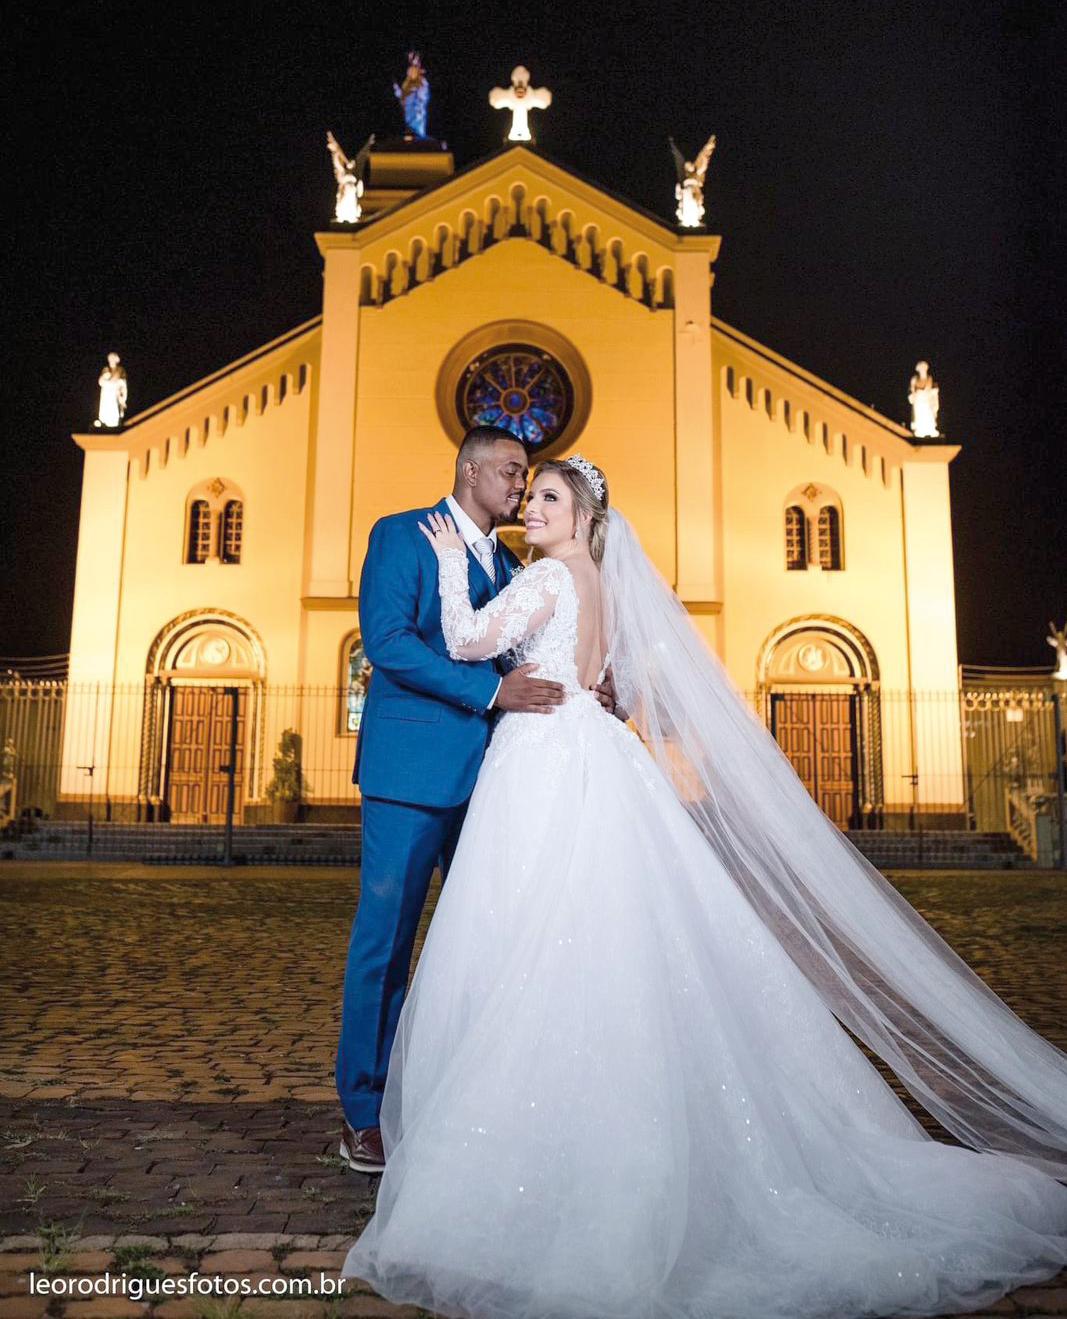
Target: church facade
point(222, 531)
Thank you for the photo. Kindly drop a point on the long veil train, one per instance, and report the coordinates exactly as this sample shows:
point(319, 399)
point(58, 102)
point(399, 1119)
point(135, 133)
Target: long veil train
point(881, 969)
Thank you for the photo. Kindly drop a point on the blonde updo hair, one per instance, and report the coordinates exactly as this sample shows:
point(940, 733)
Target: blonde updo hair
point(585, 501)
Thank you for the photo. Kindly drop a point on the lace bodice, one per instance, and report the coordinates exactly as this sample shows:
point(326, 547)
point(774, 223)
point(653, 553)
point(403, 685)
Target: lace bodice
point(535, 617)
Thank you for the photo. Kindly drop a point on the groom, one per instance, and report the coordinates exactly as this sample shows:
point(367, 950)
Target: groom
point(425, 726)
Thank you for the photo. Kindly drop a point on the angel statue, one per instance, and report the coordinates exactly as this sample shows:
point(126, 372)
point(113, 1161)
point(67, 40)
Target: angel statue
point(689, 189)
point(923, 395)
point(1057, 639)
point(349, 176)
point(414, 95)
point(112, 384)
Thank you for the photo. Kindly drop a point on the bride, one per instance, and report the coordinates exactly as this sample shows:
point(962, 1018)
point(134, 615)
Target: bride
point(622, 1085)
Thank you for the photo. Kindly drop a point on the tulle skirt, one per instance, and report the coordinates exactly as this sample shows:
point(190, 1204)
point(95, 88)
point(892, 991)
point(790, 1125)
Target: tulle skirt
point(614, 1096)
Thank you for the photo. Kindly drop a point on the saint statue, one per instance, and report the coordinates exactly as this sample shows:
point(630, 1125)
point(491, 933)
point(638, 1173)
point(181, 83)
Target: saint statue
point(349, 176)
point(1057, 639)
point(689, 190)
point(112, 384)
point(414, 95)
point(520, 98)
point(923, 397)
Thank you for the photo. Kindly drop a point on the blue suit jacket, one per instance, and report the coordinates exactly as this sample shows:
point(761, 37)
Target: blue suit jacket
point(425, 725)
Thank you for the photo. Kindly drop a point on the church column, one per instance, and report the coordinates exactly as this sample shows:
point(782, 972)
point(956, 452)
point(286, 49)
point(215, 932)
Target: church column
point(697, 466)
point(335, 423)
point(95, 620)
point(931, 618)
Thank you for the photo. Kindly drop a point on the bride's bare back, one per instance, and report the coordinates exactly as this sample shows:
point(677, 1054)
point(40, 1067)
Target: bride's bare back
point(590, 649)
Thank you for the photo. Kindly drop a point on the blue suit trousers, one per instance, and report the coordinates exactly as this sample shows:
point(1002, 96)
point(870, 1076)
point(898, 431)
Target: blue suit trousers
point(402, 844)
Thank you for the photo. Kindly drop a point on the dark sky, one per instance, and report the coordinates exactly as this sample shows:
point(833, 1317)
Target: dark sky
point(887, 181)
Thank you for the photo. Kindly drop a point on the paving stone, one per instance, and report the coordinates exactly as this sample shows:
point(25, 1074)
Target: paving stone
point(182, 1223)
point(21, 1260)
point(329, 1261)
point(24, 1307)
point(232, 1222)
point(237, 1261)
point(251, 1240)
point(373, 1307)
point(104, 1307)
point(193, 1241)
point(261, 1307)
point(88, 1261)
point(1042, 1300)
point(312, 1222)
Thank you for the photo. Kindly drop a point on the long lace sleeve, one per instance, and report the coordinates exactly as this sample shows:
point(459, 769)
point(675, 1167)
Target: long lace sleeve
point(526, 603)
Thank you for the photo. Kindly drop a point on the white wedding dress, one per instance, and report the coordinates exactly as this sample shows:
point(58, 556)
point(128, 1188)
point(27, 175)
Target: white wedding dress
point(614, 1095)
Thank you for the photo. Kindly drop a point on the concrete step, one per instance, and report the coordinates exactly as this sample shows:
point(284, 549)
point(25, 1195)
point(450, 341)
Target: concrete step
point(282, 844)
point(940, 849)
point(339, 844)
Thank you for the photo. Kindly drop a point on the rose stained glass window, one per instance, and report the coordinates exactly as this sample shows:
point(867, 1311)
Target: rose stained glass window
point(520, 387)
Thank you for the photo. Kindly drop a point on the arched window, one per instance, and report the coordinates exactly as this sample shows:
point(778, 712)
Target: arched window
point(232, 524)
point(198, 543)
point(796, 539)
point(829, 537)
point(357, 672)
point(214, 522)
point(814, 528)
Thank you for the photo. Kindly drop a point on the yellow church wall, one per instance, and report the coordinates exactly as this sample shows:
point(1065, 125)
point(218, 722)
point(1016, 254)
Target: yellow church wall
point(762, 464)
point(766, 457)
point(404, 457)
point(266, 460)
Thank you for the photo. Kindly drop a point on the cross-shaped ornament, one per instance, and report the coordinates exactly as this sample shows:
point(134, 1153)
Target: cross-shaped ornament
point(520, 98)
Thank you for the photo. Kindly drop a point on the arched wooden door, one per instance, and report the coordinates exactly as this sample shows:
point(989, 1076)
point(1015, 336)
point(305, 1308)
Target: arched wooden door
point(818, 731)
point(198, 753)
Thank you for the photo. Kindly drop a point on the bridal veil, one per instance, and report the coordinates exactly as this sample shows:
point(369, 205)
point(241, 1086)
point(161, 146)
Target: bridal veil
point(883, 971)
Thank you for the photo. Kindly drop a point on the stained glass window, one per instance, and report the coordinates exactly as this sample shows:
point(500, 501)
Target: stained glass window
point(359, 671)
point(519, 387)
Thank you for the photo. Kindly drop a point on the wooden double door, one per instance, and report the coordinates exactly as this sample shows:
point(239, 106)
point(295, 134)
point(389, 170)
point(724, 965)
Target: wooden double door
point(818, 732)
point(199, 751)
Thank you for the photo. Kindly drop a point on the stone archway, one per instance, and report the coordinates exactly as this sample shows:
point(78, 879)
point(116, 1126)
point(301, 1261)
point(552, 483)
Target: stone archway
point(200, 667)
point(818, 680)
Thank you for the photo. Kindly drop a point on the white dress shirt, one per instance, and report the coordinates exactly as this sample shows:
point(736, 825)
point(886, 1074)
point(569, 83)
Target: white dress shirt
point(471, 533)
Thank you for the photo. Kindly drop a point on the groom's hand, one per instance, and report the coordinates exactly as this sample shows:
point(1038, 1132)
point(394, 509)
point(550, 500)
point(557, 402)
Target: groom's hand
point(519, 691)
point(605, 694)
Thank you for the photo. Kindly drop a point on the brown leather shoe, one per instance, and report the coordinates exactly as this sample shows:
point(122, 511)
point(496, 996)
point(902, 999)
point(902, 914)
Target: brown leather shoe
point(362, 1149)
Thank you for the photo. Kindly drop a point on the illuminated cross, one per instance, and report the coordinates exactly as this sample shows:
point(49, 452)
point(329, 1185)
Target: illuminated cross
point(520, 98)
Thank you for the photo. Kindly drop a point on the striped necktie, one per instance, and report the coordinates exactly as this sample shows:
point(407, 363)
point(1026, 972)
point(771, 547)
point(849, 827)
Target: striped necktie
point(484, 550)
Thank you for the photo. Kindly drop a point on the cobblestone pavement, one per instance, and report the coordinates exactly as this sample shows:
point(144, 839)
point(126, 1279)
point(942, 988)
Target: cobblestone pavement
point(166, 1055)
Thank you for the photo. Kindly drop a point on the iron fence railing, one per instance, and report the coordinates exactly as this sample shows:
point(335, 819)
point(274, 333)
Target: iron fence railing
point(983, 758)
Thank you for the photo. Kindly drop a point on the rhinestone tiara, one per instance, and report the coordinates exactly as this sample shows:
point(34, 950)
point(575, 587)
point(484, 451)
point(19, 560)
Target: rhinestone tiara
point(592, 476)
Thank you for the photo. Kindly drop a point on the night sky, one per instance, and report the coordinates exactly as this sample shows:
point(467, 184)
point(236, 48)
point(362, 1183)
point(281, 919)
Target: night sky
point(887, 181)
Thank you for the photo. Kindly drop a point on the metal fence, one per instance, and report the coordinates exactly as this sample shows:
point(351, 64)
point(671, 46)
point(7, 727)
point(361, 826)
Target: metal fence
point(198, 755)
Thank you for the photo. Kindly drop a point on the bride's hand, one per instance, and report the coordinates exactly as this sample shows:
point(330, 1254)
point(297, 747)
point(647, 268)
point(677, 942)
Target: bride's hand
point(442, 534)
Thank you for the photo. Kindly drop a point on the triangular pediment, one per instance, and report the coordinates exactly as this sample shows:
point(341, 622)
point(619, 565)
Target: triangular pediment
point(518, 193)
point(499, 175)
